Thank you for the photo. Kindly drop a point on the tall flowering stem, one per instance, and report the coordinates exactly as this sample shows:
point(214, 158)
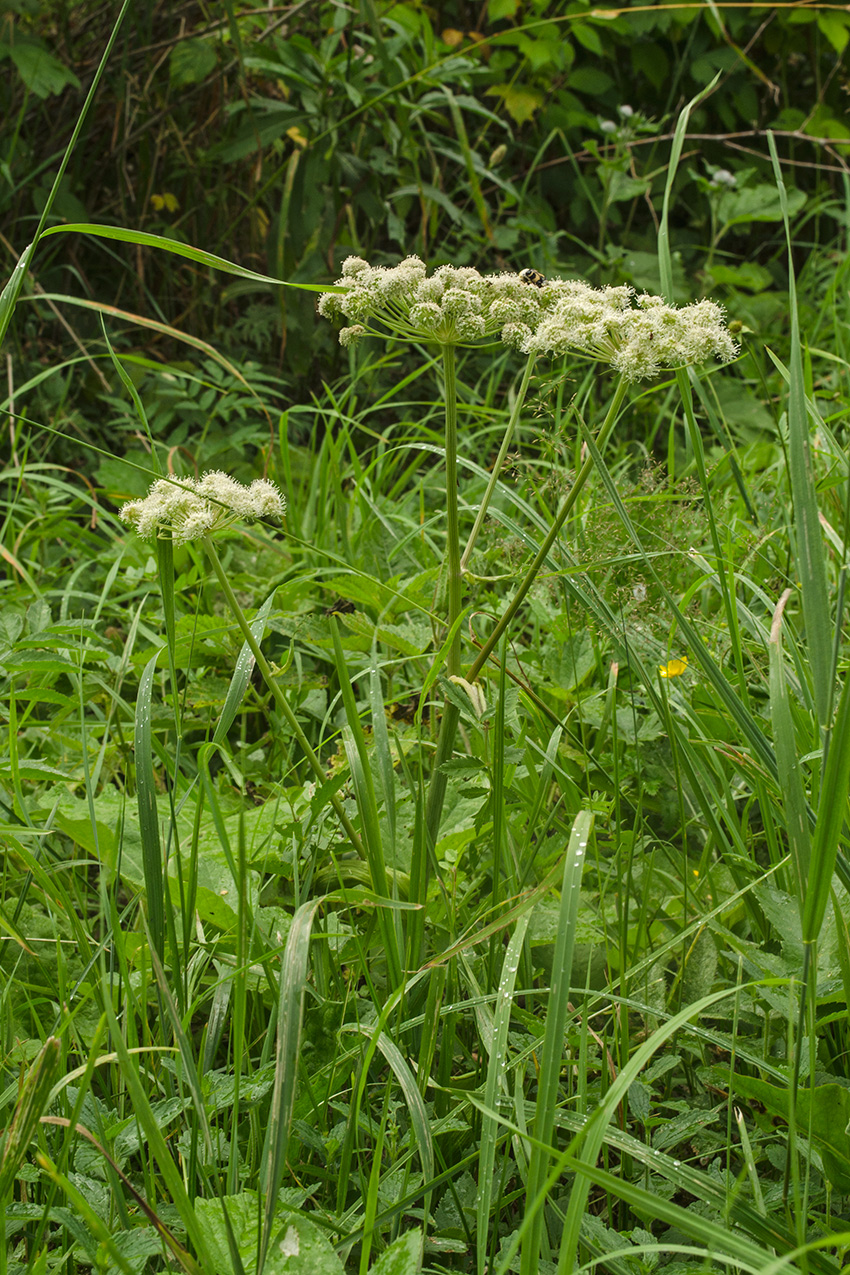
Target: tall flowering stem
point(500, 460)
point(448, 725)
point(453, 563)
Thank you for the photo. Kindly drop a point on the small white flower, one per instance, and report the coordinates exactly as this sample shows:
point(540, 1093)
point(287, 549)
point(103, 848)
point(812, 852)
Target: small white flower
point(626, 111)
point(722, 177)
point(608, 126)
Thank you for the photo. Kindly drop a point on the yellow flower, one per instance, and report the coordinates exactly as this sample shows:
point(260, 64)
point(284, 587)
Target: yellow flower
point(167, 201)
point(674, 668)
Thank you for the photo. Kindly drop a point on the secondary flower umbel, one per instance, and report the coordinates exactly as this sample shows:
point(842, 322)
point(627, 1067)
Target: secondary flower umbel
point(191, 508)
point(639, 336)
point(453, 306)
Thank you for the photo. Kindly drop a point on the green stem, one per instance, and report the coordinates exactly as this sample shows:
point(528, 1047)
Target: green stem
point(500, 460)
point(542, 553)
point(453, 564)
point(271, 682)
point(448, 725)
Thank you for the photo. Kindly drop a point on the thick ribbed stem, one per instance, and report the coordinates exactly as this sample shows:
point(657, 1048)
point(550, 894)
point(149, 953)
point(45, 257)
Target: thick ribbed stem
point(500, 460)
point(455, 591)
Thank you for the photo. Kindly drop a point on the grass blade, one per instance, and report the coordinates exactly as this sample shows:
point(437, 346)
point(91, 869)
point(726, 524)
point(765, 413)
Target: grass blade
point(495, 1083)
point(788, 765)
point(293, 979)
point(148, 816)
point(553, 1041)
point(811, 564)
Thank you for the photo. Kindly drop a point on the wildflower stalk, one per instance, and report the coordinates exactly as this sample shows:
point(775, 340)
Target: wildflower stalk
point(448, 725)
point(453, 561)
point(500, 460)
point(280, 699)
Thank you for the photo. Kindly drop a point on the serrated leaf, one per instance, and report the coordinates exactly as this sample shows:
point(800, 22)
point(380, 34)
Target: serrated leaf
point(402, 1256)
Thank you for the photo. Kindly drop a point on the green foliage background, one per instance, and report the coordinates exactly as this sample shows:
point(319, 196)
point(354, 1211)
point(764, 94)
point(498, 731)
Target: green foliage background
point(621, 1037)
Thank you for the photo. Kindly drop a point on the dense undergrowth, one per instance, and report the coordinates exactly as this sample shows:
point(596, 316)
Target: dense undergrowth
point(292, 976)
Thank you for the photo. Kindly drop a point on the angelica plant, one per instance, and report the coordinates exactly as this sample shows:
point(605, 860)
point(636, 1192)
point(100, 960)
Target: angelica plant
point(454, 306)
point(197, 509)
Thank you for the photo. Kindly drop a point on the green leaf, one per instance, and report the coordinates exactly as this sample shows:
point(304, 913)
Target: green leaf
point(811, 562)
point(402, 1257)
point(557, 1013)
point(822, 1113)
point(787, 761)
point(298, 1246)
point(749, 275)
point(756, 203)
point(496, 1088)
point(147, 806)
point(144, 240)
point(32, 1101)
point(41, 72)
point(520, 103)
point(497, 10)
point(832, 812)
point(836, 28)
point(191, 61)
point(293, 981)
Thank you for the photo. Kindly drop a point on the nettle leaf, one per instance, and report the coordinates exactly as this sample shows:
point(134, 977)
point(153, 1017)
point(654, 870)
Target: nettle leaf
point(756, 203)
point(191, 61)
point(41, 72)
point(297, 1248)
point(402, 1257)
point(822, 1113)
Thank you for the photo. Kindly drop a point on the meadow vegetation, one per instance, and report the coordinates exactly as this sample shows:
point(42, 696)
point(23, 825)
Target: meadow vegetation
point(426, 725)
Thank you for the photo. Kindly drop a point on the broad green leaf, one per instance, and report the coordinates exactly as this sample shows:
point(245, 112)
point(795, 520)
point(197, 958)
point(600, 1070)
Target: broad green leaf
point(191, 61)
point(756, 203)
point(823, 1111)
point(298, 1247)
point(520, 103)
point(402, 1256)
point(42, 73)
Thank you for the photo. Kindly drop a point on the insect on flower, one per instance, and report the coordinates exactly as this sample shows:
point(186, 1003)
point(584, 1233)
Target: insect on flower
point(534, 277)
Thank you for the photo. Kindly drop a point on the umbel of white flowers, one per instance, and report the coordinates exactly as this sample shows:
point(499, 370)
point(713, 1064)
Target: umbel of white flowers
point(638, 335)
point(192, 508)
point(453, 306)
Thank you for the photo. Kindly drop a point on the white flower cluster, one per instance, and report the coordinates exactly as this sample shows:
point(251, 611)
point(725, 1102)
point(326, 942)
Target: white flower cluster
point(453, 306)
point(639, 336)
point(191, 508)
